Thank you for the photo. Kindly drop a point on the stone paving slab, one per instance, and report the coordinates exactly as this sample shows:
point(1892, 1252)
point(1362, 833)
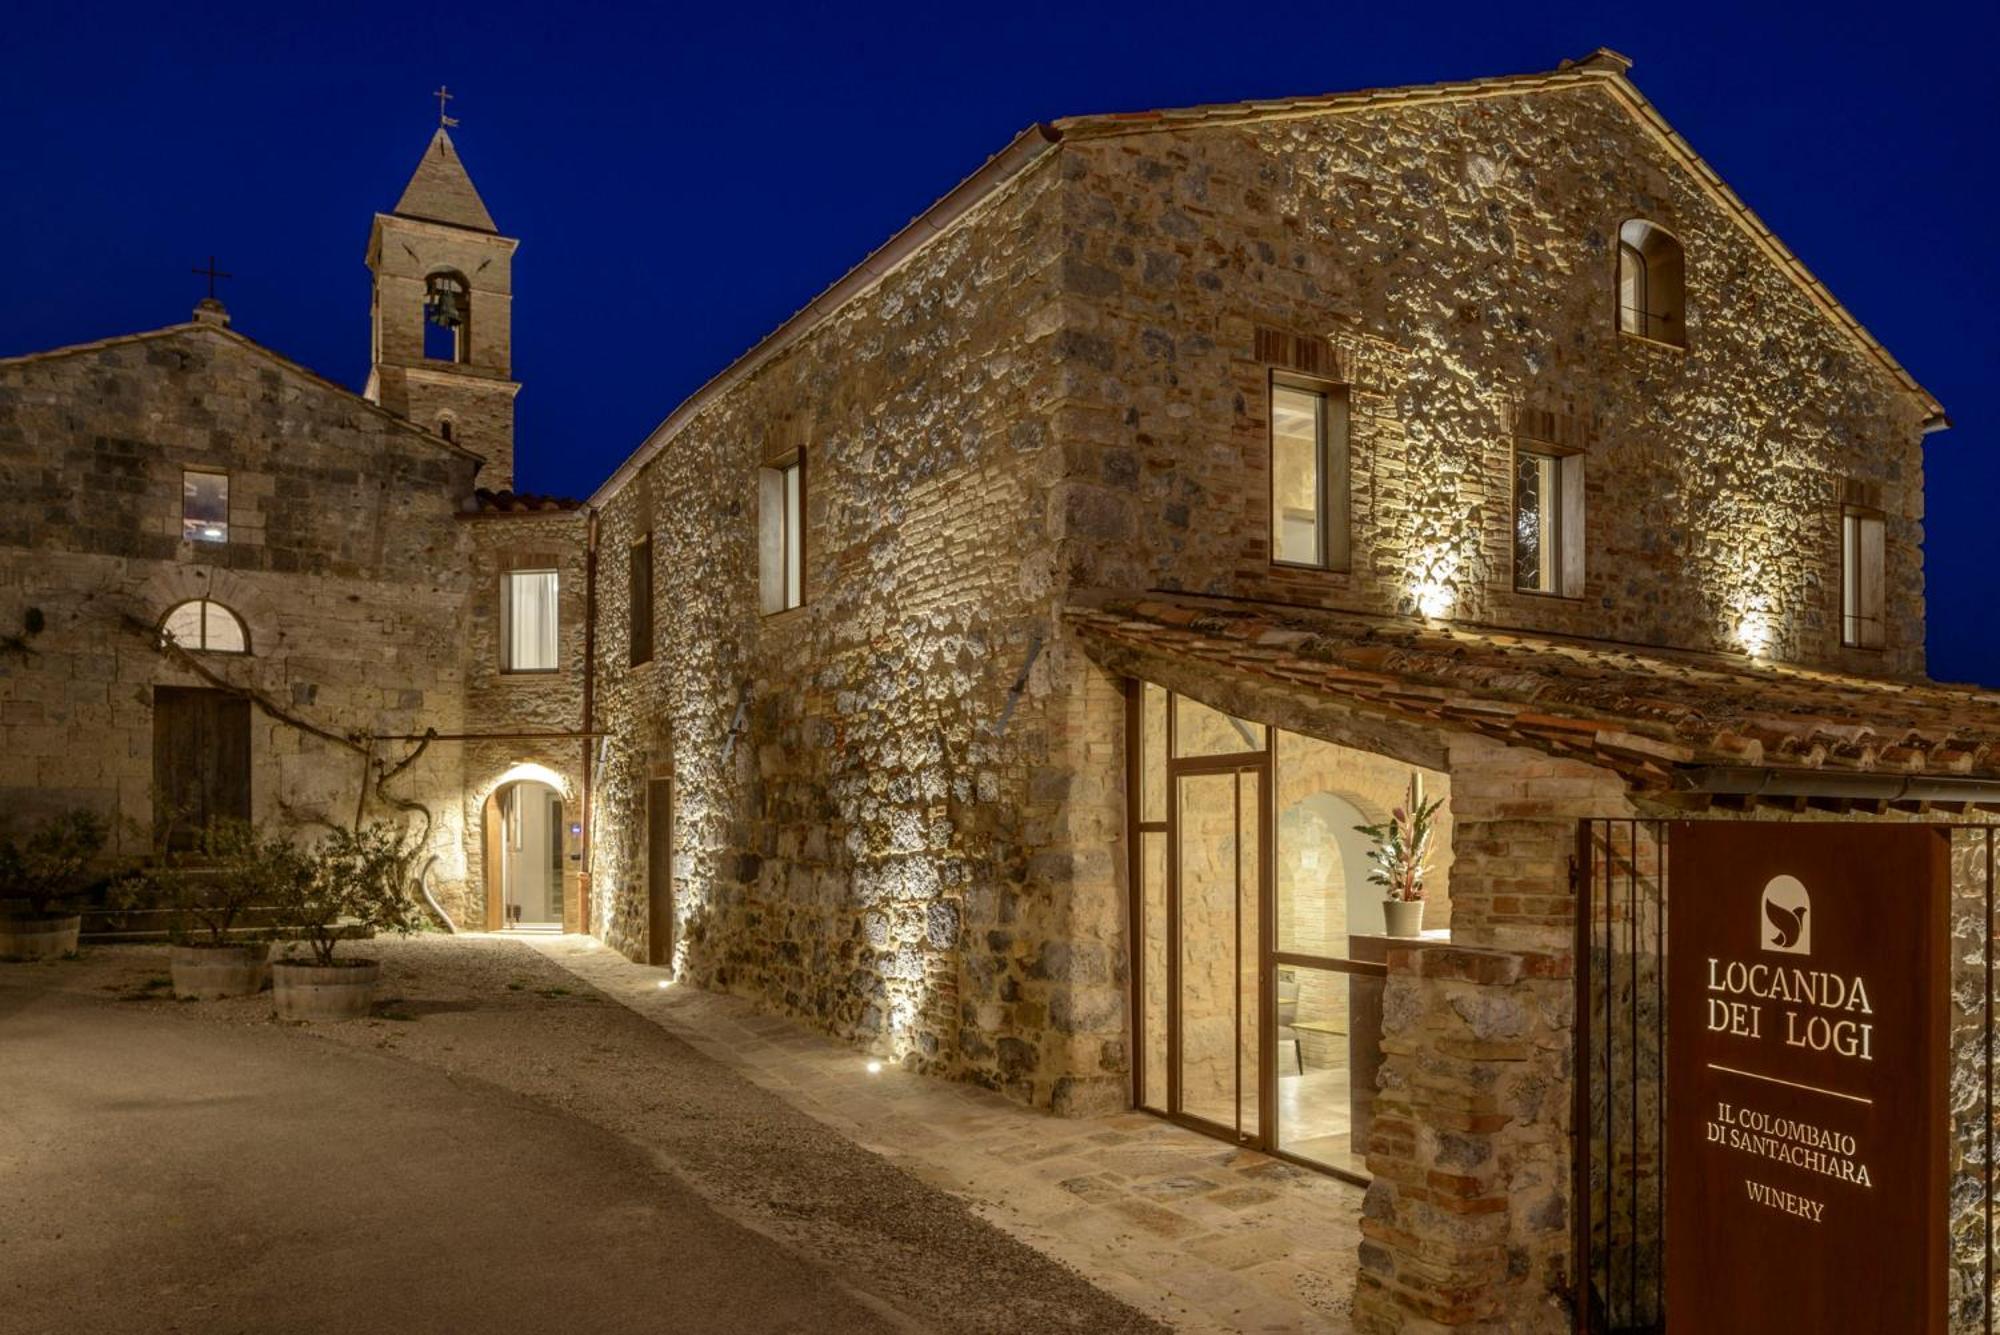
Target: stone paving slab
point(1199, 1234)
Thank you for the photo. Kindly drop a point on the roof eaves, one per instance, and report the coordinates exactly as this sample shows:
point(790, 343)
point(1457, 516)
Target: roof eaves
point(1603, 68)
point(1025, 149)
point(244, 340)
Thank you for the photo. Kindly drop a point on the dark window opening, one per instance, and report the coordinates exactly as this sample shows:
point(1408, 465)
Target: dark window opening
point(447, 318)
point(639, 620)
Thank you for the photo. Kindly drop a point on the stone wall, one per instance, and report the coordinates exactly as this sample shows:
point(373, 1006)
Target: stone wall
point(1454, 262)
point(344, 562)
point(525, 709)
point(897, 808)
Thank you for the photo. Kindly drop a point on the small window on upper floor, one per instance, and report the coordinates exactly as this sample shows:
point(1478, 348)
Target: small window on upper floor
point(447, 428)
point(781, 534)
point(1863, 595)
point(1548, 521)
point(639, 591)
point(1652, 283)
point(528, 621)
point(447, 317)
point(205, 626)
point(1309, 523)
point(204, 506)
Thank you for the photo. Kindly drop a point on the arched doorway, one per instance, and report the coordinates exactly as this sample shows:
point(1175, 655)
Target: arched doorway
point(524, 857)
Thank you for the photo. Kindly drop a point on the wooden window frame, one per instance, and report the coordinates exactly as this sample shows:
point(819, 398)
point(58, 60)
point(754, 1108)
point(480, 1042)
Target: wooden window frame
point(1674, 323)
point(507, 622)
point(638, 611)
point(1569, 516)
point(776, 469)
point(1850, 575)
point(1336, 486)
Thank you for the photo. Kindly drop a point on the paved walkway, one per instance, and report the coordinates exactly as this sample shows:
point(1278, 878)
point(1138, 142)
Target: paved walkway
point(1199, 1234)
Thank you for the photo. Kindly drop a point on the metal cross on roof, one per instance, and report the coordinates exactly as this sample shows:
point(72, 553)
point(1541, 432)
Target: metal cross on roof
point(444, 95)
point(212, 273)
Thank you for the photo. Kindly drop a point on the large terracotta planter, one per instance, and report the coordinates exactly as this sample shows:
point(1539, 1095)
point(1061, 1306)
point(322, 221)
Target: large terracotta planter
point(38, 936)
point(343, 990)
point(1403, 917)
point(205, 972)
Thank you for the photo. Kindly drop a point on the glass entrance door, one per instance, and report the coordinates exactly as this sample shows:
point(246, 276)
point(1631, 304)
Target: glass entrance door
point(1217, 883)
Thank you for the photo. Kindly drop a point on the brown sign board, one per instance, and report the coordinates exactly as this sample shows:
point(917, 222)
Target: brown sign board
point(1806, 1077)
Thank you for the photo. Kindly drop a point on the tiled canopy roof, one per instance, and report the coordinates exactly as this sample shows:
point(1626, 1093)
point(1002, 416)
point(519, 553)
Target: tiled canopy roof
point(1654, 715)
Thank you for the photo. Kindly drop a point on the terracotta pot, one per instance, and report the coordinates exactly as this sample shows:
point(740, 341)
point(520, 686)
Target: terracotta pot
point(343, 990)
point(1403, 917)
point(221, 971)
point(38, 936)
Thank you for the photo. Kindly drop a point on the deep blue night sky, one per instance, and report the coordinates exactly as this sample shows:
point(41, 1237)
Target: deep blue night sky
point(683, 181)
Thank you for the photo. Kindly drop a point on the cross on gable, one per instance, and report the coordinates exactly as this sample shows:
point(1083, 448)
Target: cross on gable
point(444, 95)
point(212, 273)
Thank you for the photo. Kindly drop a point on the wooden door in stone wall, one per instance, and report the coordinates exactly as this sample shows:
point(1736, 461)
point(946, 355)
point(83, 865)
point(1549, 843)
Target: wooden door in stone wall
point(659, 872)
point(201, 760)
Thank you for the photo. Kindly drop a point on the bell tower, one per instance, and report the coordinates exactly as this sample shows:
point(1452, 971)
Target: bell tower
point(442, 317)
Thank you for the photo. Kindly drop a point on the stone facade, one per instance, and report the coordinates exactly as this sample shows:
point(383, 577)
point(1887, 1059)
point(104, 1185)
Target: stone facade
point(900, 809)
point(345, 563)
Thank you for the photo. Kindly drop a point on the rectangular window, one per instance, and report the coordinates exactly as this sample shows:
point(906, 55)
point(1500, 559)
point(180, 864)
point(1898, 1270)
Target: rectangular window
point(781, 533)
point(1548, 522)
point(204, 506)
point(639, 619)
point(528, 621)
point(1308, 476)
point(1862, 579)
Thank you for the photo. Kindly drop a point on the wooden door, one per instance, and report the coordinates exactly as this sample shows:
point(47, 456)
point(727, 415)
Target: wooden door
point(201, 760)
point(660, 872)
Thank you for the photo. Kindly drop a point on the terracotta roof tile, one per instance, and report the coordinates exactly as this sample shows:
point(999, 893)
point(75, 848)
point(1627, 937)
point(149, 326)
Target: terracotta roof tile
point(1642, 712)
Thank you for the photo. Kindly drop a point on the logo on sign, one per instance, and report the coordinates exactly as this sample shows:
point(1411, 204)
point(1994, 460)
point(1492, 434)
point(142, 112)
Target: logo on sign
point(1785, 926)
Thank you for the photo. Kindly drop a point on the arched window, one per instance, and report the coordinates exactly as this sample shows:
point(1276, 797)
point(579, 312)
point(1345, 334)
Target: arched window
point(1651, 283)
point(446, 427)
point(447, 317)
point(205, 626)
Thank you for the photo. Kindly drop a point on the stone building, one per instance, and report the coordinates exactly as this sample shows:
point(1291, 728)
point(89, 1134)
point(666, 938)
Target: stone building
point(233, 588)
point(992, 665)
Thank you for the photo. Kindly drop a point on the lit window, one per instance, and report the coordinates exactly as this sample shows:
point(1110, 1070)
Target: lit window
point(1651, 283)
point(781, 534)
point(204, 506)
point(1308, 477)
point(206, 626)
point(528, 621)
point(639, 616)
point(1548, 522)
point(1861, 579)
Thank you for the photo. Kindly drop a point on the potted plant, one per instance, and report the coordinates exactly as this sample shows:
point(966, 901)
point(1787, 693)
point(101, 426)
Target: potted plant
point(351, 878)
point(40, 876)
point(1401, 859)
point(231, 868)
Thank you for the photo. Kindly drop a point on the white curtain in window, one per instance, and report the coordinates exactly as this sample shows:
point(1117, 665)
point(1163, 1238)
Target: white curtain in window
point(531, 621)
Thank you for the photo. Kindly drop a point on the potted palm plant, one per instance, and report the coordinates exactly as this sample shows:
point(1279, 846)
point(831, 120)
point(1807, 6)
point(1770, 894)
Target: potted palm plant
point(231, 869)
point(40, 877)
point(1401, 860)
point(351, 879)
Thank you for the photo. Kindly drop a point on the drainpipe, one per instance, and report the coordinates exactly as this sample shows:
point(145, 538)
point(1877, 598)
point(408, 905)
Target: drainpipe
point(589, 700)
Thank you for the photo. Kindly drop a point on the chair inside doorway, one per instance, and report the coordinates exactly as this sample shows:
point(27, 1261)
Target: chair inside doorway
point(524, 842)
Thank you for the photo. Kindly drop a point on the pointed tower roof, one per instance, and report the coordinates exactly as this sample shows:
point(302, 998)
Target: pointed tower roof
point(440, 191)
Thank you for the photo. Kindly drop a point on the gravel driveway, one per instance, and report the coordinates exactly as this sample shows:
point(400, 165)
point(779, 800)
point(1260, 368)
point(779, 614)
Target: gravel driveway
point(499, 1149)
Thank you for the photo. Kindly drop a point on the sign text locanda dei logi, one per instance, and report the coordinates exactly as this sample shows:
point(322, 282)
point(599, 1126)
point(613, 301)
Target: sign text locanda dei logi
point(1806, 1114)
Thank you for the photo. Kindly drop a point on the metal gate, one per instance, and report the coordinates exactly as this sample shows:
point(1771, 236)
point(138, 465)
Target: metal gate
point(1621, 882)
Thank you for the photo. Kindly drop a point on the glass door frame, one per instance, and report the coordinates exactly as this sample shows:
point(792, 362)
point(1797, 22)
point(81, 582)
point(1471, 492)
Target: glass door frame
point(1270, 959)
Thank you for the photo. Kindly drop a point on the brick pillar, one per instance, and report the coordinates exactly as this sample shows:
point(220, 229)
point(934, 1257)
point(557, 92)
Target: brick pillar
point(1466, 1226)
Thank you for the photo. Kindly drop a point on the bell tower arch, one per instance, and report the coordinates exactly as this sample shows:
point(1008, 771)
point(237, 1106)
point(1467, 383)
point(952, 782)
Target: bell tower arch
point(442, 313)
